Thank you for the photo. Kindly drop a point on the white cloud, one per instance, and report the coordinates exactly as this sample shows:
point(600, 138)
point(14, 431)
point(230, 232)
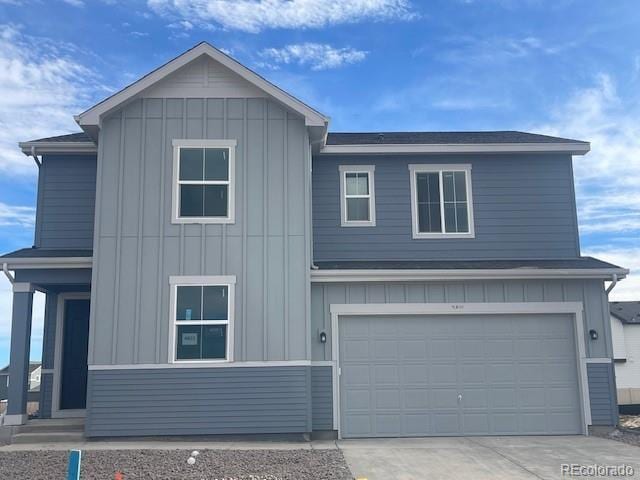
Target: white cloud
point(41, 87)
point(317, 56)
point(16, 216)
point(608, 178)
point(628, 288)
point(74, 3)
point(256, 15)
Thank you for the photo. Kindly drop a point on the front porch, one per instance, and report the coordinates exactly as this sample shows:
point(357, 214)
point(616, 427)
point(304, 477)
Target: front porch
point(66, 287)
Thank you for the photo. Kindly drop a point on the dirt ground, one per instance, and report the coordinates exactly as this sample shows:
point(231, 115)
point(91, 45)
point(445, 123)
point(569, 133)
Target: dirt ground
point(32, 407)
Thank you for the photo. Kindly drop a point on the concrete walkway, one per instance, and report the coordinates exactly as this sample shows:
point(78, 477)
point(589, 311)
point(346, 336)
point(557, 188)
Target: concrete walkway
point(481, 458)
point(450, 458)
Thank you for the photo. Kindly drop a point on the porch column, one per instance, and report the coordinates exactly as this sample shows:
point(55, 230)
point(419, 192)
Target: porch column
point(19, 357)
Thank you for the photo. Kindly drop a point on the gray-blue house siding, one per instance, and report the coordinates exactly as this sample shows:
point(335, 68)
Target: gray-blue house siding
point(104, 225)
point(523, 205)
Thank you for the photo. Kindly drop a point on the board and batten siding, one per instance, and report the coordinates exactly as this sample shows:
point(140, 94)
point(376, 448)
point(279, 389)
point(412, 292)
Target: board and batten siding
point(524, 208)
point(137, 247)
point(66, 202)
point(589, 292)
point(198, 401)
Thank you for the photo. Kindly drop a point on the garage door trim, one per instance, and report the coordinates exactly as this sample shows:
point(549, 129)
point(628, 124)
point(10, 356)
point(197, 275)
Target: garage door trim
point(575, 309)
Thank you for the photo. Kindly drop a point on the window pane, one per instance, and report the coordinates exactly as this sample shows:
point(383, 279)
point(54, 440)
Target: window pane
point(461, 187)
point(214, 341)
point(189, 342)
point(190, 164)
point(191, 200)
point(447, 187)
point(357, 183)
point(450, 217)
point(188, 301)
point(462, 217)
point(357, 209)
point(216, 165)
point(428, 187)
point(215, 303)
point(215, 200)
point(429, 218)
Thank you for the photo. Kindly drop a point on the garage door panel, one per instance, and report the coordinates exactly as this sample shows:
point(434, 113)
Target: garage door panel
point(401, 376)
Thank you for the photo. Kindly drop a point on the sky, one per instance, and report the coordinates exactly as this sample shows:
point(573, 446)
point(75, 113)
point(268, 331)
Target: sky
point(561, 67)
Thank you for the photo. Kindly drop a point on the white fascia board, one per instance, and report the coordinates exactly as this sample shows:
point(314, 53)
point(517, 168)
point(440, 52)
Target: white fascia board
point(47, 262)
point(312, 117)
point(570, 148)
point(43, 148)
point(335, 276)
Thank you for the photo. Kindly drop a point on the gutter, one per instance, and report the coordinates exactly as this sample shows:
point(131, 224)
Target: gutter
point(406, 148)
point(5, 269)
point(43, 148)
point(35, 157)
point(612, 285)
point(387, 275)
point(47, 262)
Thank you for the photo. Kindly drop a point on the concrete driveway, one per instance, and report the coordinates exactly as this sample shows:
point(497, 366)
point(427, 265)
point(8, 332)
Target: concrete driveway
point(480, 458)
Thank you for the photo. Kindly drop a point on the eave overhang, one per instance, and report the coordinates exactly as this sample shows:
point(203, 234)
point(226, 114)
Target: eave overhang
point(578, 148)
point(411, 275)
point(46, 262)
point(52, 148)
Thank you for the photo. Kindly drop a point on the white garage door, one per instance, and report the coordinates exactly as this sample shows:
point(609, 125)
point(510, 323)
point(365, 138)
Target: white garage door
point(458, 375)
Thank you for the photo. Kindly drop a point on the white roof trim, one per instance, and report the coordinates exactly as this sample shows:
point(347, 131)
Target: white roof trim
point(42, 148)
point(418, 275)
point(390, 148)
point(312, 117)
point(47, 262)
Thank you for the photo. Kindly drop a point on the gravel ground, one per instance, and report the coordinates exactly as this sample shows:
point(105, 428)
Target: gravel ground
point(622, 435)
point(172, 465)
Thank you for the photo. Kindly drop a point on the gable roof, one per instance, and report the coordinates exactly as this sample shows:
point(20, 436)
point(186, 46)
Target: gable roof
point(626, 312)
point(91, 117)
point(32, 366)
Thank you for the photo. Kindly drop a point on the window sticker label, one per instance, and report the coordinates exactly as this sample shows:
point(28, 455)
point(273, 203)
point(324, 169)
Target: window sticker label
point(189, 339)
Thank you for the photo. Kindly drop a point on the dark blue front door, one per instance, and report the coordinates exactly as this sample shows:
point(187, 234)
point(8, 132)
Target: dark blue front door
point(73, 391)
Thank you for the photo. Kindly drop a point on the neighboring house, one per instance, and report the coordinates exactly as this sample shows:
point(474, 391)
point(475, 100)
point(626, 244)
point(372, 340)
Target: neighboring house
point(625, 329)
point(35, 371)
point(216, 262)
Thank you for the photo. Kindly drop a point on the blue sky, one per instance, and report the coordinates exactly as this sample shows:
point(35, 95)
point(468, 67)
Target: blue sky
point(570, 68)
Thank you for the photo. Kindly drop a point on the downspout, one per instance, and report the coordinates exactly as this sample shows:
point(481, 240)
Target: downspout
point(5, 269)
point(35, 157)
point(614, 282)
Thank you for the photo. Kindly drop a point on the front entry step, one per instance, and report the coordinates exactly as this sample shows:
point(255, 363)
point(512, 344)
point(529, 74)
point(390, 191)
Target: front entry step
point(49, 431)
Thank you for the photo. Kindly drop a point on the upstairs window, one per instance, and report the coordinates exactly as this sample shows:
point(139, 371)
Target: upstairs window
point(202, 317)
point(441, 203)
point(357, 196)
point(204, 172)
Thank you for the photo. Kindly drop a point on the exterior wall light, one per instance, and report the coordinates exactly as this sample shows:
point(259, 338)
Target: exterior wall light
point(323, 337)
point(593, 334)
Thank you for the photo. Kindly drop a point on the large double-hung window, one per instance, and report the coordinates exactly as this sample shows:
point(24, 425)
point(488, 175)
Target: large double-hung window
point(203, 181)
point(441, 204)
point(202, 318)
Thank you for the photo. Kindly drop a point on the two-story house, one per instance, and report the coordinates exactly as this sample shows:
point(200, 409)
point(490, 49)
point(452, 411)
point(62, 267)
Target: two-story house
point(215, 262)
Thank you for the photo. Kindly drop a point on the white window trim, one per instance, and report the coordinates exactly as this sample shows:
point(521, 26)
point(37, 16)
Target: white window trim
point(175, 206)
point(370, 171)
point(414, 169)
point(228, 281)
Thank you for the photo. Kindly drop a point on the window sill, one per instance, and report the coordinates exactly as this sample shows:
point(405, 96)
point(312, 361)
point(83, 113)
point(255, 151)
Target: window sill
point(358, 224)
point(203, 221)
point(437, 236)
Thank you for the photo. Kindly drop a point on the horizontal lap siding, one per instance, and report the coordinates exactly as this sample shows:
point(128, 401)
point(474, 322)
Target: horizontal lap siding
point(602, 394)
point(66, 201)
point(198, 401)
point(523, 208)
point(322, 398)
